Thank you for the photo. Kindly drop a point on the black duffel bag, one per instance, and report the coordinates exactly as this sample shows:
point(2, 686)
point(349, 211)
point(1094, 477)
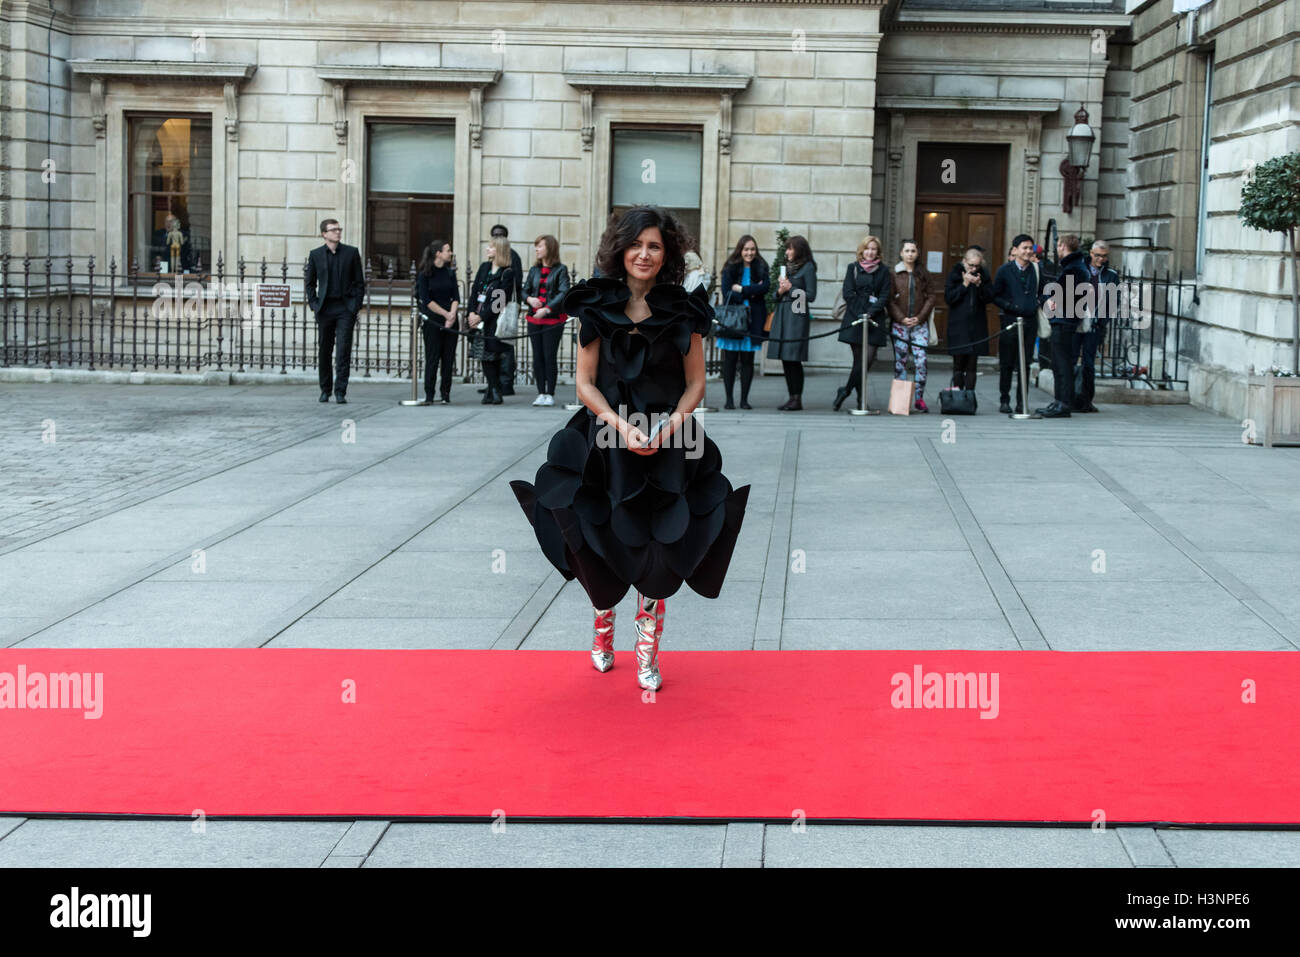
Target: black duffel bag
point(732, 319)
point(957, 401)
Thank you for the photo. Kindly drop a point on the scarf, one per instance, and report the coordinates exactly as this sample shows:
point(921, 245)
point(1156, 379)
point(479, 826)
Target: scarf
point(869, 265)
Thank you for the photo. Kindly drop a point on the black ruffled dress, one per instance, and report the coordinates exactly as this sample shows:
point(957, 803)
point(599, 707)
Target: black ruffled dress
point(614, 519)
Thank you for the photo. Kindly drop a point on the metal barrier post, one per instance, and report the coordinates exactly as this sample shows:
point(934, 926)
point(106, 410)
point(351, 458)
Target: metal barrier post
point(863, 408)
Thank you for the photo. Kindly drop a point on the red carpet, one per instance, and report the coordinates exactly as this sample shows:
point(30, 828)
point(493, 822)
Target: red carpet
point(1142, 736)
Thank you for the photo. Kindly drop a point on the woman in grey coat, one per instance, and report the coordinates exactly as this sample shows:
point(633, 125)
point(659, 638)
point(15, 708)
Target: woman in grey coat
point(796, 288)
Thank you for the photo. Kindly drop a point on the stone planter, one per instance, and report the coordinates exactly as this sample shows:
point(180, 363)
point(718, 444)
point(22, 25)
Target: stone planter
point(1273, 403)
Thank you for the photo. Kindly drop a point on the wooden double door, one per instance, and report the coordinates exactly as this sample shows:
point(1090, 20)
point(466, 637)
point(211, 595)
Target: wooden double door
point(944, 230)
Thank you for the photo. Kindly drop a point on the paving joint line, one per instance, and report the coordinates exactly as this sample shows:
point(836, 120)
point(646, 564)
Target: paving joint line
point(1012, 604)
point(770, 620)
point(1234, 586)
point(229, 531)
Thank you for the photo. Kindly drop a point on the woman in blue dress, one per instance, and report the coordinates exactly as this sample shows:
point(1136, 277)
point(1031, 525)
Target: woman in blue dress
point(744, 277)
point(616, 505)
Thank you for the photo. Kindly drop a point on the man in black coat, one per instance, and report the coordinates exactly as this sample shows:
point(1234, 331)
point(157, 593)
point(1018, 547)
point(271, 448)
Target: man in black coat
point(1066, 305)
point(335, 286)
point(1017, 292)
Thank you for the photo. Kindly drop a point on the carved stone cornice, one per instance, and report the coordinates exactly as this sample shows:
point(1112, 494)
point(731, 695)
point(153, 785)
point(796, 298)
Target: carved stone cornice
point(1006, 104)
point(437, 76)
point(672, 83)
point(341, 77)
point(172, 71)
point(229, 75)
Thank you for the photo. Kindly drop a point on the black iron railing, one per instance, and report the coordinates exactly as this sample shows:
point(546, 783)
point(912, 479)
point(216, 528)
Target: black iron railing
point(63, 314)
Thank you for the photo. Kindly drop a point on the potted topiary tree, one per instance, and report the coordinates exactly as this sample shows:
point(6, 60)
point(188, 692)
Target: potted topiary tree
point(1270, 201)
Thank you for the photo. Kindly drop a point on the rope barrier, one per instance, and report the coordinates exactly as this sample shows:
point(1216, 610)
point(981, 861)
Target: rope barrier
point(821, 335)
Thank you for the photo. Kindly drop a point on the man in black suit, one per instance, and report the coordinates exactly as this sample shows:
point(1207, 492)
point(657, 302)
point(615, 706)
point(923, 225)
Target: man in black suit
point(335, 287)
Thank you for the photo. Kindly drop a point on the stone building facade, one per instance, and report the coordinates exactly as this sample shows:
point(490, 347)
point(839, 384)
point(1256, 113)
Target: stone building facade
point(410, 119)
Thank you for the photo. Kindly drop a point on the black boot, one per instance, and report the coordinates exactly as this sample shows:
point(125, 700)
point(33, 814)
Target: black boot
point(841, 394)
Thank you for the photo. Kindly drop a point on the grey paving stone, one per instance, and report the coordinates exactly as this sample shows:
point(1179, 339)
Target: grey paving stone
point(549, 845)
point(1081, 503)
point(82, 843)
point(343, 862)
point(875, 634)
point(891, 527)
point(400, 633)
point(744, 846)
point(173, 614)
point(1272, 575)
point(431, 584)
point(1116, 615)
point(1130, 551)
point(8, 825)
point(1144, 847)
point(913, 846)
point(889, 584)
point(360, 839)
point(1234, 527)
point(1228, 848)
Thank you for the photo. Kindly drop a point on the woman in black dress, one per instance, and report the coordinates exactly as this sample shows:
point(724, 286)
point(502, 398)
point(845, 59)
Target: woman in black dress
point(615, 505)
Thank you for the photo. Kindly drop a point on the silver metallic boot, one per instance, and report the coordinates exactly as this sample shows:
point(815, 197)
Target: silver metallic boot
point(602, 643)
point(649, 629)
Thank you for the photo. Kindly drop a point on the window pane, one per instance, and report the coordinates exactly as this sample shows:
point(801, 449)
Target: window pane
point(170, 175)
point(950, 168)
point(412, 158)
point(659, 167)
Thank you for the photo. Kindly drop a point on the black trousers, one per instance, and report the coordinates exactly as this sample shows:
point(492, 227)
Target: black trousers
point(335, 326)
point(731, 360)
point(1009, 357)
point(854, 383)
point(963, 371)
point(793, 376)
point(1062, 342)
point(1084, 348)
point(546, 355)
point(439, 353)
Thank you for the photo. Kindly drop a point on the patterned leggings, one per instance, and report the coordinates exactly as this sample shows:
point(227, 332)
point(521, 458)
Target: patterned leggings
point(917, 335)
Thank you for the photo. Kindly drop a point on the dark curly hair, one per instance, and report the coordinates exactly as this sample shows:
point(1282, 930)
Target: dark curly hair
point(622, 233)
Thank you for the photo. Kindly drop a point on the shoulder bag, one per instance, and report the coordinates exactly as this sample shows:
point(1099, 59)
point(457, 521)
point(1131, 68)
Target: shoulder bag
point(731, 319)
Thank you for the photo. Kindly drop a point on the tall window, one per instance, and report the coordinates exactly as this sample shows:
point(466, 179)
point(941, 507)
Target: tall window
point(659, 166)
point(409, 191)
point(169, 191)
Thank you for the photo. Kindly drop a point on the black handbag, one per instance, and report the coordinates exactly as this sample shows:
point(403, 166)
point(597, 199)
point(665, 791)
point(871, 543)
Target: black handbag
point(731, 319)
point(957, 401)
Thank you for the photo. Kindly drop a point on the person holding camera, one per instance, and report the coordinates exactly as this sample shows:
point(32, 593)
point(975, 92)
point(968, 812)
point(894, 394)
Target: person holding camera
point(968, 290)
